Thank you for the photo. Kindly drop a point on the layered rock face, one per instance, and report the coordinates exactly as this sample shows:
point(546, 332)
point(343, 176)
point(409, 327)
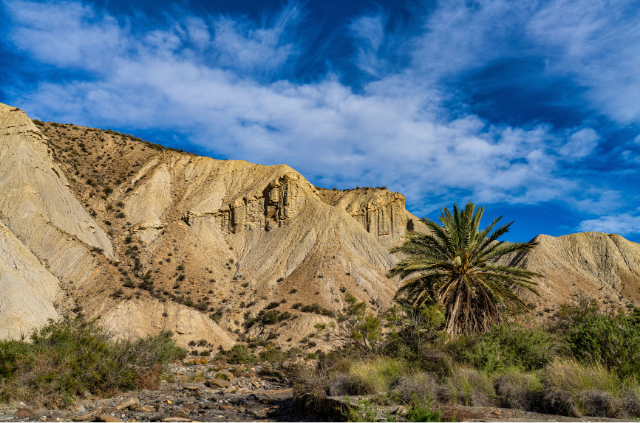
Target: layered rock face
point(28, 292)
point(382, 213)
point(54, 256)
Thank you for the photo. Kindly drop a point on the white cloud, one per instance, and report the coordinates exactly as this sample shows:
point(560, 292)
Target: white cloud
point(369, 30)
point(624, 223)
point(243, 46)
point(204, 77)
point(580, 144)
point(598, 44)
point(67, 34)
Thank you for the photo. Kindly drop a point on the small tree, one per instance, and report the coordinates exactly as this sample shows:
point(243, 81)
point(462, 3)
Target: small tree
point(358, 328)
point(412, 327)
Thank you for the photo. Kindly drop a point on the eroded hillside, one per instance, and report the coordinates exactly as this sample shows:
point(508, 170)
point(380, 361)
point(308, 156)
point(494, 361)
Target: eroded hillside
point(156, 238)
point(588, 266)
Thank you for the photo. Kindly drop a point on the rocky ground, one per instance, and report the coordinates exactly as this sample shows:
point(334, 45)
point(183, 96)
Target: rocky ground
point(200, 392)
point(259, 392)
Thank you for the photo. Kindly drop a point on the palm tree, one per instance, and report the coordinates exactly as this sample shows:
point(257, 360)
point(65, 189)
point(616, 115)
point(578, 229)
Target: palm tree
point(455, 264)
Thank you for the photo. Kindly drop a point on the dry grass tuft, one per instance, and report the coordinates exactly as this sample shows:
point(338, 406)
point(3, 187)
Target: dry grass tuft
point(377, 375)
point(423, 386)
point(575, 377)
point(468, 386)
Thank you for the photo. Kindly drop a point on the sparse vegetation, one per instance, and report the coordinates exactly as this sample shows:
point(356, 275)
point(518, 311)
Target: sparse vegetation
point(582, 362)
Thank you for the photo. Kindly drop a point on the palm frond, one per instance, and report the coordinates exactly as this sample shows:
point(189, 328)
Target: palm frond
point(454, 264)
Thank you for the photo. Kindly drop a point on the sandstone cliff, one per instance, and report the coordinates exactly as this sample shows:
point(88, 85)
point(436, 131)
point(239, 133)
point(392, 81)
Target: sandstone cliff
point(381, 212)
point(27, 290)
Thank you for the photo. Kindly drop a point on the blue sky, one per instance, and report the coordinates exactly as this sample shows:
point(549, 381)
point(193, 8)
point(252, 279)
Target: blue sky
point(531, 108)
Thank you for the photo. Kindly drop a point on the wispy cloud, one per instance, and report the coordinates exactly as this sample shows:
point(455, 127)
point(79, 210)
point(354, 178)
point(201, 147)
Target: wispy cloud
point(624, 223)
point(221, 82)
point(598, 44)
point(580, 144)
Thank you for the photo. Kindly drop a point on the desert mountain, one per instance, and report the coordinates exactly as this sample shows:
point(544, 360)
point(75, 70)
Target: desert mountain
point(147, 238)
point(590, 265)
point(104, 225)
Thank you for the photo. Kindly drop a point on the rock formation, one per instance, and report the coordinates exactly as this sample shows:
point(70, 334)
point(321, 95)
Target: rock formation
point(382, 213)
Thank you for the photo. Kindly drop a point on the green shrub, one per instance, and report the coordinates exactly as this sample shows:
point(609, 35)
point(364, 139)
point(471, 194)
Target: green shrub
point(423, 411)
point(70, 357)
point(317, 309)
point(272, 305)
point(613, 341)
point(505, 347)
point(273, 355)
point(241, 354)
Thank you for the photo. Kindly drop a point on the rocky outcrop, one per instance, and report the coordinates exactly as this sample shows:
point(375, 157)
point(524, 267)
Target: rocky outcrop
point(37, 206)
point(129, 228)
point(249, 235)
point(137, 318)
point(381, 212)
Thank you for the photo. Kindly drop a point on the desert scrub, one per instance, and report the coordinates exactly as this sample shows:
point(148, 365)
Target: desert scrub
point(505, 347)
point(375, 376)
point(69, 357)
point(575, 377)
point(591, 389)
point(424, 411)
point(239, 354)
point(612, 340)
point(468, 386)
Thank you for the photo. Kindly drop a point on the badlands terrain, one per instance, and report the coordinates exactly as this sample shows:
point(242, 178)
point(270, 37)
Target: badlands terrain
point(104, 225)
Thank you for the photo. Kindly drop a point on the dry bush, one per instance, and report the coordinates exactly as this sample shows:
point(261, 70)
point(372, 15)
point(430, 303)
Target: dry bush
point(560, 402)
point(345, 384)
point(150, 379)
point(630, 404)
point(598, 404)
point(469, 387)
point(423, 386)
point(519, 390)
point(510, 394)
point(573, 376)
